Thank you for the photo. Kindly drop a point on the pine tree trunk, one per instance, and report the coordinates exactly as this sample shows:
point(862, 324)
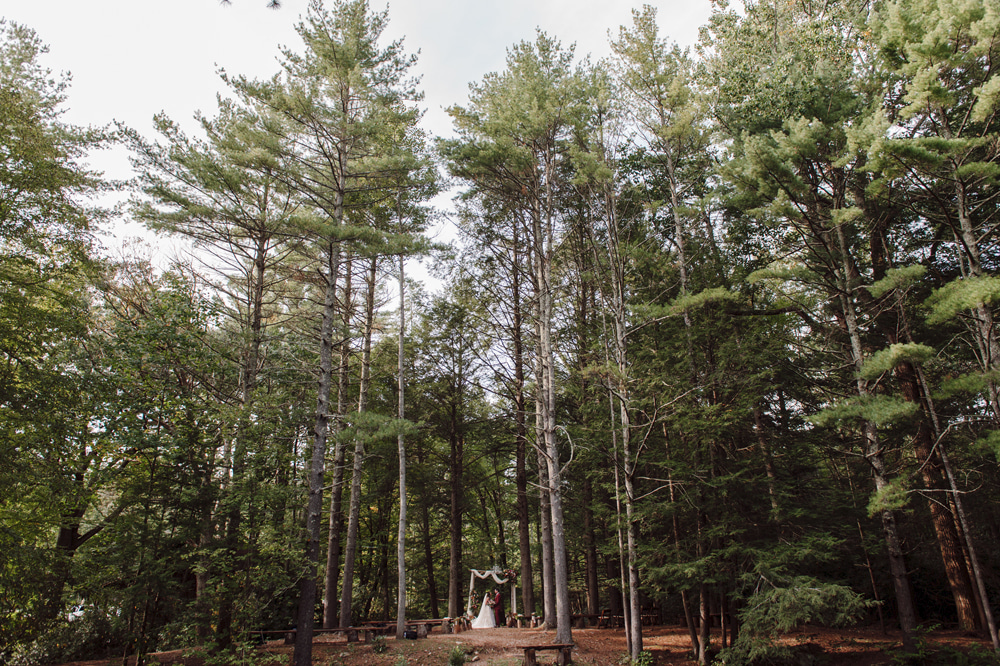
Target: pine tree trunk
point(545, 534)
point(331, 603)
point(456, 570)
point(622, 577)
point(302, 655)
point(635, 610)
point(401, 534)
point(987, 340)
point(590, 549)
point(873, 451)
point(952, 553)
point(765, 452)
point(520, 417)
point(544, 243)
point(350, 555)
point(705, 617)
point(429, 562)
point(541, 402)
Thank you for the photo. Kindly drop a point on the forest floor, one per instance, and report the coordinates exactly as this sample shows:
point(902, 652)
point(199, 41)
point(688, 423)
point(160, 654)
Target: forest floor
point(670, 646)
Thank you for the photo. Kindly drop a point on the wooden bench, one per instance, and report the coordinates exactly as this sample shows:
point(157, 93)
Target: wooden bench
point(423, 627)
point(608, 620)
point(565, 655)
point(352, 633)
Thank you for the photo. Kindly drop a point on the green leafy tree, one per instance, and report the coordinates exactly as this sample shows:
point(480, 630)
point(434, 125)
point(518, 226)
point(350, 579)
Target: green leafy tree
point(791, 149)
point(512, 138)
point(223, 194)
point(46, 246)
point(345, 109)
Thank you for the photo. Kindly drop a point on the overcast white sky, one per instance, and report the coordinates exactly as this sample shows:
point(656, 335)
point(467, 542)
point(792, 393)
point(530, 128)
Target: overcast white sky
point(130, 59)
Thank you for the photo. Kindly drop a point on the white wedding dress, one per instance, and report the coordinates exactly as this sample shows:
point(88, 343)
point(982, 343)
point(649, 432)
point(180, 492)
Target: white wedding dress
point(485, 619)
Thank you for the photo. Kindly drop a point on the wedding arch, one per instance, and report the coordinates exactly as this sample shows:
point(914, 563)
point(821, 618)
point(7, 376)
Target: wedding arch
point(500, 577)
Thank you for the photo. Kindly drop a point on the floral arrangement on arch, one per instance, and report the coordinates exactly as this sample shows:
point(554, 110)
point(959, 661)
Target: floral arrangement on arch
point(510, 574)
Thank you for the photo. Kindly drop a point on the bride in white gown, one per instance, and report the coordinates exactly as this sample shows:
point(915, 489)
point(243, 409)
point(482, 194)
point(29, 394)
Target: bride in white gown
point(485, 619)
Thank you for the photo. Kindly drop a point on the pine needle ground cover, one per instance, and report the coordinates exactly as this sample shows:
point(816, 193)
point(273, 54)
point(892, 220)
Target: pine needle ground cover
point(669, 646)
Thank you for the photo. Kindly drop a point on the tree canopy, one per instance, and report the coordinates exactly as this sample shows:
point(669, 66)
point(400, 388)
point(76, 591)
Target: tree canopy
point(716, 337)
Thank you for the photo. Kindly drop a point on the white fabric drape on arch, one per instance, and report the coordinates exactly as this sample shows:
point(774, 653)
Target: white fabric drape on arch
point(495, 575)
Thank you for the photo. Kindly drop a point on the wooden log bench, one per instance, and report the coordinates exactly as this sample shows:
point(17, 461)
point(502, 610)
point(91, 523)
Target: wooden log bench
point(352, 633)
point(565, 655)
point(609, 620)
point(423, 627)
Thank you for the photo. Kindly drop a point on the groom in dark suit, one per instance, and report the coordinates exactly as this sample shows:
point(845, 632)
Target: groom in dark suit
point(498, 614)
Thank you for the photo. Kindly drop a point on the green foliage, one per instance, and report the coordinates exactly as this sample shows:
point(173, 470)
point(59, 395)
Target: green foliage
point(704, 298)
point(53, 458)
point(893, 496)
point(971, 383)
point(879, 409)
point(729, 207)
point(929, 653)
point(990, 443)
point(962, 295)
point(886, 360)
point(243, 654)
point(380, 645)
point(897, 279)
point(87, 636)
point(645, 658)
point(782, 272)
point(457, 656)
point(775, 607)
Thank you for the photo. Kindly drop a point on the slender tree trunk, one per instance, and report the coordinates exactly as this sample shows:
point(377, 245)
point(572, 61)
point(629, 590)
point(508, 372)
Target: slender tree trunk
point(545, 534)
point(330, 601)
point(633, 564)
point(544, 498)
point(622, 553)
point(980, 582)
point(457, 501)
point(704, 614)
point(347, 589)
point(590, 549)
point(952, 553)
point(619, 326)
point(973, 560)
point(307, 588)
point(765, 452)
point(982, 314)
point(874, 453)
point(401, 535)
point(521, 474)
point(429, 562)
point(544, 243)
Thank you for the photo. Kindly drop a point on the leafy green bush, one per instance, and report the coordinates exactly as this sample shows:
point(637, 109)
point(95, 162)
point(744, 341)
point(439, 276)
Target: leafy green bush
point(773, 609)
point(243, 654)
point(86, 637)
point(457, 656)
point(928, 653)
point(379, 645)
point(645, 659)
